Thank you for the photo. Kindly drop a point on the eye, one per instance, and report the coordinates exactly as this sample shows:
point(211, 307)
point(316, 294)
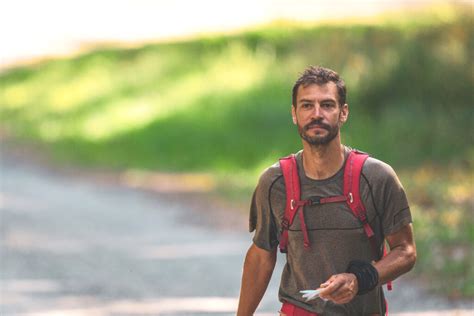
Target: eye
point(306, 105)
point(327, 105)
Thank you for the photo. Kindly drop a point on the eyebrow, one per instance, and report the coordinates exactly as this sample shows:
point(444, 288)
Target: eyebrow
point(312, 101)
point(305, 100)
point(328, 100)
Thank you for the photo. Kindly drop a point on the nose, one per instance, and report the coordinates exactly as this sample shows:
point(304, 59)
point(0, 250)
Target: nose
point(317, 111)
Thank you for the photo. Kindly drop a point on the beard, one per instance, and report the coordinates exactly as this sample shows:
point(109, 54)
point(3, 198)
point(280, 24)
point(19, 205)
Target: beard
point(317, 140)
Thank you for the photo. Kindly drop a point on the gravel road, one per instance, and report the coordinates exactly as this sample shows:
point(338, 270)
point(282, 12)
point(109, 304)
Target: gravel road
point(73, 246)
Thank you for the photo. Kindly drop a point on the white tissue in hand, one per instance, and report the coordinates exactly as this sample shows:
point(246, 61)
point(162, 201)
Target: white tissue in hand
point(310, 294)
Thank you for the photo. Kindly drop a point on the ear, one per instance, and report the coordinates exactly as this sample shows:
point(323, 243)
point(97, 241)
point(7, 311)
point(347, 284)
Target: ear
point(293, 115)
point(344, 115)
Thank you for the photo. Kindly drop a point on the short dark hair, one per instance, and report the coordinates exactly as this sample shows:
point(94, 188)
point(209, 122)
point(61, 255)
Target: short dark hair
point(320, 75)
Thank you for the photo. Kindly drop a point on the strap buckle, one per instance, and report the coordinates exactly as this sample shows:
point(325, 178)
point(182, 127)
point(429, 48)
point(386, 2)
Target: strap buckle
point(292, 204)
point(350, 197)
point(314, 200)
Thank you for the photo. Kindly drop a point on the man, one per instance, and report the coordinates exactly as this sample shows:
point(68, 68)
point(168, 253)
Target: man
point(339, 261)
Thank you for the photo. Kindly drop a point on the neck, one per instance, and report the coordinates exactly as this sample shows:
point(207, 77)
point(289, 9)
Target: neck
point(322, 162)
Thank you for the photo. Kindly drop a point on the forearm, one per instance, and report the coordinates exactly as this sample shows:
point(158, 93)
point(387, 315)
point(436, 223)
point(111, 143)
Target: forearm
point(398, 261)
point(341, 288)
point(255, 278)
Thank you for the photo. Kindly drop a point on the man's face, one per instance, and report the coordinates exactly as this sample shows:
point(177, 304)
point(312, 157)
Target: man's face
point(318, 114)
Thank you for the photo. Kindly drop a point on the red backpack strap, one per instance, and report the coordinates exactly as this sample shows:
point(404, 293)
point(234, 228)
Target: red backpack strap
point(353, 169)
point(289, 169)
point(352, 172)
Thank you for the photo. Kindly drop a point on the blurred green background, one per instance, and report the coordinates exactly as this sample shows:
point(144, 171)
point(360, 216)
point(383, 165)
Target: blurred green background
point(220, 104)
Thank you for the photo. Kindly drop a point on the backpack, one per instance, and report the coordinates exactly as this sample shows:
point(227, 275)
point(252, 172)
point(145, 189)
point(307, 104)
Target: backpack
point(351, 196)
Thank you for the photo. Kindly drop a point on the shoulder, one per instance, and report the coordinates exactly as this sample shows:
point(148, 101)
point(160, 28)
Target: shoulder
point(272, 177)
point(269, 176)
point(377, 171)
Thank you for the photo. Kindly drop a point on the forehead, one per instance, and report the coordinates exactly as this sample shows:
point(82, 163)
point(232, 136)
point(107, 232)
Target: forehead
point(317, 92)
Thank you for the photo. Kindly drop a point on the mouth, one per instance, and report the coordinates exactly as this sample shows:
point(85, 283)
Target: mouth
point(316, 127)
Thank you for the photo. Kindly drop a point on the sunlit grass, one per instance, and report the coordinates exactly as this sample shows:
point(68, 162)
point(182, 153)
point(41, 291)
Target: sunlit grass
point(401, 83)
point(98, 103)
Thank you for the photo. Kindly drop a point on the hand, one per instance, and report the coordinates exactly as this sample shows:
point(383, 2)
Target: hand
point(340, 288)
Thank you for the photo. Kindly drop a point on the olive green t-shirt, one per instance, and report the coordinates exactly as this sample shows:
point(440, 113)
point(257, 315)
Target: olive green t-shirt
point(336, 235)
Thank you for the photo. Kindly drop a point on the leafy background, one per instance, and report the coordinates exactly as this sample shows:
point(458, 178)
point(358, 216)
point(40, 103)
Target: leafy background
point(220, 104)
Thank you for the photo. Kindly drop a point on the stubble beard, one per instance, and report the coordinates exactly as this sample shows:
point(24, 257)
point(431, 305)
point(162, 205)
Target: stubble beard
point(318, 140)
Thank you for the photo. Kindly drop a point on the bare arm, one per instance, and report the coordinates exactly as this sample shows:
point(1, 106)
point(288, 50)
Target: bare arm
point(342, 288)
point(402, 255)
point(258, 269)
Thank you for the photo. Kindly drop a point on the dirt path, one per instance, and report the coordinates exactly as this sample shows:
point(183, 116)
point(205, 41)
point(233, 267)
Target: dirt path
point(72, 246)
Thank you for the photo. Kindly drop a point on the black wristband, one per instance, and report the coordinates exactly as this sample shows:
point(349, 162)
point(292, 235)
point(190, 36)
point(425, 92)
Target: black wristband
point(366, 274)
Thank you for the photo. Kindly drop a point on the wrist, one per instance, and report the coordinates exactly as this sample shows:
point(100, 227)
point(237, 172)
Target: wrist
point(366, 275)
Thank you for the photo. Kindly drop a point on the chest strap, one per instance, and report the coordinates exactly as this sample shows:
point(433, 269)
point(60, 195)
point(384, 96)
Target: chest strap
point(351, 188)
point(351, 196)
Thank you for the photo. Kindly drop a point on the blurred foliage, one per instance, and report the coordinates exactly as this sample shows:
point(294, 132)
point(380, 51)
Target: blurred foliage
point(442, 205)
point(222, 104)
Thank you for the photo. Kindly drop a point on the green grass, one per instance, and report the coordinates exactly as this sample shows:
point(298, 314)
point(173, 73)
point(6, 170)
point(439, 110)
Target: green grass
point(221, 104)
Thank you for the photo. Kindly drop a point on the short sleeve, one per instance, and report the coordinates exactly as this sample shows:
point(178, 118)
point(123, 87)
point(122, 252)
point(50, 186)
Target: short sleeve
point(390, 197)
point(261, 219)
